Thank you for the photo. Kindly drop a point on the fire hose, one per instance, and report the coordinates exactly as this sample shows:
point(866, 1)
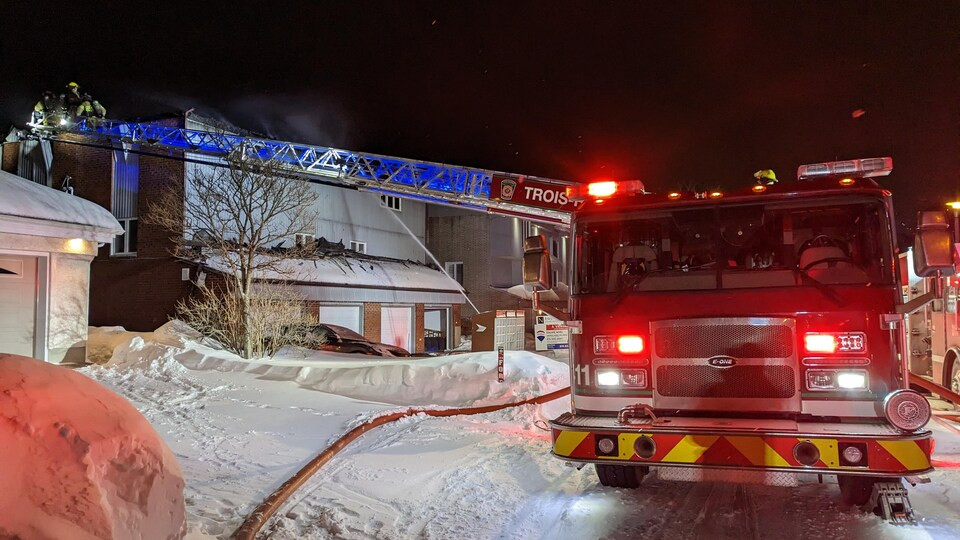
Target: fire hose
point(261, 514)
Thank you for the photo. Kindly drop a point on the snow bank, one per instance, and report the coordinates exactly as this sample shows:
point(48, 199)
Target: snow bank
point(23, 198)
point(79, 461)
point(457, 380)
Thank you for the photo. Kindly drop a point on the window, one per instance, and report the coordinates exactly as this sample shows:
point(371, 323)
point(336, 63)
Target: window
point(455, 271)
point(126, 183)
point(556, 278)
point(555, 247)
point(125, 243)
point(807, 243)
point(125, 190)
point(359, 247)
point(303, 240)
point(390, 201)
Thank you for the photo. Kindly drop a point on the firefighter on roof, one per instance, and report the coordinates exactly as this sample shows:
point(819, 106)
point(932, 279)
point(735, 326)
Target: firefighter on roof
point(73, 95)
point(766, 177)
point(85, 108)
point(44, 108)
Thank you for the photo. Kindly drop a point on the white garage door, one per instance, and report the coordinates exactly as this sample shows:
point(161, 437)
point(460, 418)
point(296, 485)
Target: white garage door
point(396, 326)
point(345, 316)
point(18, 301)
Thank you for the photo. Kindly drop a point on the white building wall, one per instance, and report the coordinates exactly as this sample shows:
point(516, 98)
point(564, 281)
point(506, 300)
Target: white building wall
point(347, 215)
point(64, 300)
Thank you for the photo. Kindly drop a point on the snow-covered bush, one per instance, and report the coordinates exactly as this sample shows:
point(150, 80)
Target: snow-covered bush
point(276, 319)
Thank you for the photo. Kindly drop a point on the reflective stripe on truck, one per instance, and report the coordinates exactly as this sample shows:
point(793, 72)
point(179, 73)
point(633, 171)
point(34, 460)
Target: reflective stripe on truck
point(776, 452)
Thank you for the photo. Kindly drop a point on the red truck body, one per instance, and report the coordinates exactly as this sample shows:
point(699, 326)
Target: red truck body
point(757, 331)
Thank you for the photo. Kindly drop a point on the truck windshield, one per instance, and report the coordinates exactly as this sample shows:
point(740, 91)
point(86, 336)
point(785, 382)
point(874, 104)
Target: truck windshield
point(733, 247)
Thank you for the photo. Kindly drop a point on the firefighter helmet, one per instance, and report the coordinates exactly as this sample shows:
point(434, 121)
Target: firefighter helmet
point(766, 176)
point(73, 85)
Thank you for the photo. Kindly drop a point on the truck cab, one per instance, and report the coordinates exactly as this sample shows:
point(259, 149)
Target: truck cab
point(756, 333)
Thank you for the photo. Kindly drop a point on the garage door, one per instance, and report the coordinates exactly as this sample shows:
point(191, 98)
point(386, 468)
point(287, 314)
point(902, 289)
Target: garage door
point(345, 316)
point(18, 300)
point(396, 326)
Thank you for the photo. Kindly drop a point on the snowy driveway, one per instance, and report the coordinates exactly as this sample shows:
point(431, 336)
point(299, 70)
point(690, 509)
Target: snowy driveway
point(238, 434)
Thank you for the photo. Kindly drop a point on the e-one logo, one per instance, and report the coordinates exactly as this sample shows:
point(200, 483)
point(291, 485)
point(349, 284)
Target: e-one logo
point(722, 361)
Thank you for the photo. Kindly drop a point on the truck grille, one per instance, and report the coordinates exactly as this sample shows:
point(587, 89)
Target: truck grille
point(736, 340)
point(733, 382)
point(761, 371)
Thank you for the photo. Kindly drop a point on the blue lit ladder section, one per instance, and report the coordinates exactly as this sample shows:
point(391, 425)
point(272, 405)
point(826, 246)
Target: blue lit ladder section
point(426, 181)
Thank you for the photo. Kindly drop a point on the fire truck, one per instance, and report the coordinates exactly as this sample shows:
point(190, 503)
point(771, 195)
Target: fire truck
point(933, 333)
point(747, 335)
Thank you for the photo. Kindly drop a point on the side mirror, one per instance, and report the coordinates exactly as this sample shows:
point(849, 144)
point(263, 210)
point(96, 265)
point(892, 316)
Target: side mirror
point(932, 245)
point(537, 271)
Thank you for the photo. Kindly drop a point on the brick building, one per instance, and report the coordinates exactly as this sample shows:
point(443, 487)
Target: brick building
point(484, 253)
point(135, 282)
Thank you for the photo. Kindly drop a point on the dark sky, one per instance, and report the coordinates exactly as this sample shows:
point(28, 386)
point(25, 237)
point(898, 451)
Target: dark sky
point(669, 93)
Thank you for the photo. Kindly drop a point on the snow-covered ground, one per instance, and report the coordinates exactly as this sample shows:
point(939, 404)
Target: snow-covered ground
point(241, 428)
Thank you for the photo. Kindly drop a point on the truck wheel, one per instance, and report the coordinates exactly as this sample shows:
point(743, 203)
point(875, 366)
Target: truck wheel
point(855, 490)
point(621, 476)
point(955, 376)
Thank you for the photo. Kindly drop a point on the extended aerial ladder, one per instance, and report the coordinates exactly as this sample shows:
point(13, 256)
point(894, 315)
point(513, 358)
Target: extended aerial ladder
point(528, 197)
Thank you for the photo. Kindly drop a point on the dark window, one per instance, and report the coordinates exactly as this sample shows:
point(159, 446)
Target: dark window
point(455, 271)
point(390, 201)
point(125, 243)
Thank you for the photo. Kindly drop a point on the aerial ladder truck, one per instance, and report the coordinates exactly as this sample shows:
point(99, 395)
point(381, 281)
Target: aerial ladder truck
point(757, 333)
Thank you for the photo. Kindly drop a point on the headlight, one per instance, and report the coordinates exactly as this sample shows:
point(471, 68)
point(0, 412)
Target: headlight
point(628, 378)
point(608, 378)
point(906, 410)
point(833, 379)
point(852, 380)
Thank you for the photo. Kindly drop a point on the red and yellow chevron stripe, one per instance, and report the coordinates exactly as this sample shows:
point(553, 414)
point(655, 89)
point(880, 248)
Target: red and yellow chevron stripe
point(896, 457)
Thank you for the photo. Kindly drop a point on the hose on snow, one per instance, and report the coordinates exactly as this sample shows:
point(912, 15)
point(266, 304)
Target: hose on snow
point(261, 514)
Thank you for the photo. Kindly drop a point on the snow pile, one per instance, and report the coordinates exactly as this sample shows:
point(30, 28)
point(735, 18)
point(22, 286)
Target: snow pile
point(26, 199)
point(355, 271)
point(456, 380)
point(79, 461)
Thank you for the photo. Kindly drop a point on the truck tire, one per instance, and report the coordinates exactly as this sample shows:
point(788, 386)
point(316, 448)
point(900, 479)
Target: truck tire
point(855, 490)
point(621, 476)
point(955, 375)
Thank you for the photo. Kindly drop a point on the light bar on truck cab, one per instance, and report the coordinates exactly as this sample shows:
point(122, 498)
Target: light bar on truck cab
point(863, 168)
point(603, 189)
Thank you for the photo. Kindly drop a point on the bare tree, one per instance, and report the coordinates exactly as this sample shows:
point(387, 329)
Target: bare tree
point(241, 216)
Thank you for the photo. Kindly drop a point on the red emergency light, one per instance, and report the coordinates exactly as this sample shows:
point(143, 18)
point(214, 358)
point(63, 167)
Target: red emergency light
point(820, 343)
point(630, 344)
point(603, 189)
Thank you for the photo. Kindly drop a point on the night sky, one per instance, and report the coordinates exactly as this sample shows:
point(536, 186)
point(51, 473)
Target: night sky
point(702, 94)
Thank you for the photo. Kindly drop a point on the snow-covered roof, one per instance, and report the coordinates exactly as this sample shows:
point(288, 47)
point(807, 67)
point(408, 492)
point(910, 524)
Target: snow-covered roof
point(27, 201)
point(356, 271)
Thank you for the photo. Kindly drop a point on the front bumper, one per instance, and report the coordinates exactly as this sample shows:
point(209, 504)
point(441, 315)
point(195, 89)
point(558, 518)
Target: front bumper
point(767, 445)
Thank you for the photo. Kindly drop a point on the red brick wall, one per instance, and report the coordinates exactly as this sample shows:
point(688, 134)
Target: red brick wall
point(138, 294)
point(371, 321)
point(313, 310)
point(420, 344)
point(455, 325)
point(466, 238)
point(157, 176)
